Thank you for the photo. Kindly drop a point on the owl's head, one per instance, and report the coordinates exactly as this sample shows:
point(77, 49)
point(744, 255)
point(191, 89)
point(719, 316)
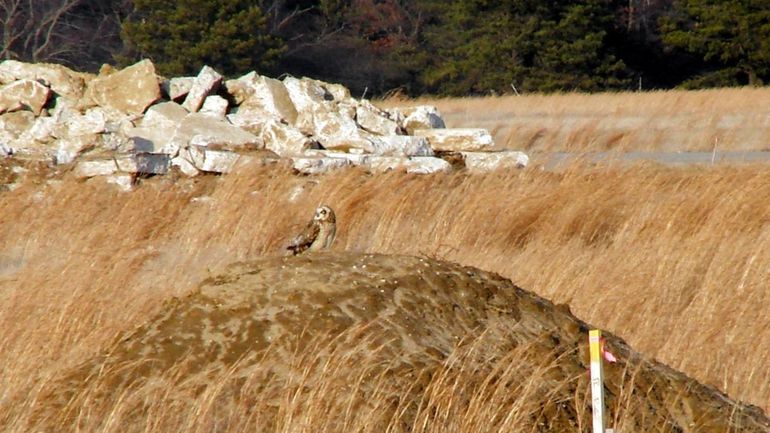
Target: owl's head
point(324, 214)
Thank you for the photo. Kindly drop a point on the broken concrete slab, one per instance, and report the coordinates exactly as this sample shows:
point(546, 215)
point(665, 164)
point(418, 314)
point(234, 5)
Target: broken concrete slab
point(480, 162)
point(206, 83)
point(457, 139)
point(267, 96)
point(130, 90)
point(62, 80)
point(24, 95)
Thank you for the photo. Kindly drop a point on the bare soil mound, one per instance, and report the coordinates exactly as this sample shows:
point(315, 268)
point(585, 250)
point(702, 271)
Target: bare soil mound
point(348, 342)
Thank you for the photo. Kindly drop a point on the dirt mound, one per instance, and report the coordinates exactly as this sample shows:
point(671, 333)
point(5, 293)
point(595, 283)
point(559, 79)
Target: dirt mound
point(338, 342)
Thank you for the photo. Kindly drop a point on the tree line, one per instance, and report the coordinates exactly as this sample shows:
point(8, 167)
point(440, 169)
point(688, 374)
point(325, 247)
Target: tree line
point(441, 47)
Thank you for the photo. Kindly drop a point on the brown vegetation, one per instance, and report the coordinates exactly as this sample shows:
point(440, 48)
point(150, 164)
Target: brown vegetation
point(721, 119)
point(673, 260)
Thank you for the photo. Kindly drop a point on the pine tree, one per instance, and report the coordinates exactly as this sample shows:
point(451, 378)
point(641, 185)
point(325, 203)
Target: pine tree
point(179, 37)
point(733, 37)
point(482, 46)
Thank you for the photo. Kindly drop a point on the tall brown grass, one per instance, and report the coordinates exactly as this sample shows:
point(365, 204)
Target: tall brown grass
point(677, 261)
point(706, 120)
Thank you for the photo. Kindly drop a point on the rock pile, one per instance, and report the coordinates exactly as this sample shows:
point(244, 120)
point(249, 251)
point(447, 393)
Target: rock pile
point(121, 123)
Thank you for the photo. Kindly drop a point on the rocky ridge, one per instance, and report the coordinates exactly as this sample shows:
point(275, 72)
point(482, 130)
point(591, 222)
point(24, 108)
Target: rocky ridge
point(129, 122)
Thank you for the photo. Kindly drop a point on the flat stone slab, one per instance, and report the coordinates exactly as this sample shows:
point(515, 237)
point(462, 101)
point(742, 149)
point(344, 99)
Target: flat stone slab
point(480, 162)
point(457, 139)
point(416, 164)
point(140, 163)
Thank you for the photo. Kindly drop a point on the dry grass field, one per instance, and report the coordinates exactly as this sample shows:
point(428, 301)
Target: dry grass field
point(672, 121)
point(674, 260)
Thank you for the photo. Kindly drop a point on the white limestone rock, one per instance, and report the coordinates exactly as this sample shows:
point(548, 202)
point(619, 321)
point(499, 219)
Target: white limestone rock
point(68, 148)
point(24, 95)
point(308, 94)
point(285, 140)
point(266, 96)
point(139, 163)
point(401, 145)
point(214, 106)
point(130, 90)
point(211, 161)
point(318, 164)
point(480, 162)
point(202, 130)
point(62, 80)
point(178, 87)
point(419, 117)
point(416, 165)
point(375, 120)
point(206, 83)
point(457, 139)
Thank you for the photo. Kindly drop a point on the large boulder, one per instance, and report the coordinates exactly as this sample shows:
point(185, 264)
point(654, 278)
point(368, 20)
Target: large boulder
point(458, 139)
point(308, 94)
point(62, 80)
point(130, 90)
point(263, 95)
point(285, 140)
point(206, 83)
point(375, 120)
point(24, 94)
point(419, 117)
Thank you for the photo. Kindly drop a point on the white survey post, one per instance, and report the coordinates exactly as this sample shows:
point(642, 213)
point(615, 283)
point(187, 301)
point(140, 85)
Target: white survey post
point(597, 379)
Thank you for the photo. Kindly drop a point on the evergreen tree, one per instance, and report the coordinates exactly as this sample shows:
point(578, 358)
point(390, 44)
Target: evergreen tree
point(179, 37)
point(732, 37)
point(482, 46)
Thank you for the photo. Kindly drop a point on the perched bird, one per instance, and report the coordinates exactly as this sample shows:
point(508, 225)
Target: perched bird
point(319, 233)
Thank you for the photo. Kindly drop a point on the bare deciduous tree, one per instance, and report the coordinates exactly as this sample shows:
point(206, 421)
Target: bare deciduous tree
point(64, 31)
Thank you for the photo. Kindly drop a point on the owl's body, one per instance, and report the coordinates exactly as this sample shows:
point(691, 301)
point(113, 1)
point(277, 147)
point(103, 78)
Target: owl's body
point(319, 233)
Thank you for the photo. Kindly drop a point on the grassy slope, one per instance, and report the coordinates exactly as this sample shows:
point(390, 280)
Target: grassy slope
point(674, 260)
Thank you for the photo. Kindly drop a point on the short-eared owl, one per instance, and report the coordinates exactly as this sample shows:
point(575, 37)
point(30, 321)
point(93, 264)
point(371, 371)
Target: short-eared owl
point(319, 233)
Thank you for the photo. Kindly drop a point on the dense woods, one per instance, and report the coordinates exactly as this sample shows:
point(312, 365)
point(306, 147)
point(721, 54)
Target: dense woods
point(443, 47)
